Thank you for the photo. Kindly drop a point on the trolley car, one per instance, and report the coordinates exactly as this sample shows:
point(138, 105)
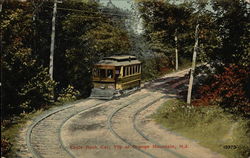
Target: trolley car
point(115, 74)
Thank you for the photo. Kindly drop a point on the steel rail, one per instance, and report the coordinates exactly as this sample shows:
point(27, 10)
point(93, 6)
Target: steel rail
point(72, 115)
point(69, 117)
point(147, 138)
point(117, 135)
point(136, 128)
point(33, 151)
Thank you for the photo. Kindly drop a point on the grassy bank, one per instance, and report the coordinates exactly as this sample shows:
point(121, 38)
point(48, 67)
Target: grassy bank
point(210, 126)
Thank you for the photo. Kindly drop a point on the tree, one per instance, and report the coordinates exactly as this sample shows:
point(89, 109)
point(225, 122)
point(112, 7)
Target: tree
point(232, 18)
point(87, 36)
point(25, 61)
point(226, 49)
point(166, 25)
point(23, 78)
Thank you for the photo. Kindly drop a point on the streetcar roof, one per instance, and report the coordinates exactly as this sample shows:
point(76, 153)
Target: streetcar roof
point(121, 57)
point(119, 60)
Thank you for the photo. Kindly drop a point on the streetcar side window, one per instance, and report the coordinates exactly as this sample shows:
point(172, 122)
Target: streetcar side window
point(130, 70)
point(123, 72)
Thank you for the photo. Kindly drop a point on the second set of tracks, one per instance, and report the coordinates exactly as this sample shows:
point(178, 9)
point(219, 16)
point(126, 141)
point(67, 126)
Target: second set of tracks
point(126, 115)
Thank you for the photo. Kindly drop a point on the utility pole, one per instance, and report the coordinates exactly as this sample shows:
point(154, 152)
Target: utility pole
point(52, 45)
point(176, 50)
point(1, 5)
point(191, 80)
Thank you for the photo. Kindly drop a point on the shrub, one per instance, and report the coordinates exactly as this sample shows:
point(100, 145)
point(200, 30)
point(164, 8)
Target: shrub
point(5, 146)
point(38, 91)
point(228, 89)
point(68, 94)
point(149, 69)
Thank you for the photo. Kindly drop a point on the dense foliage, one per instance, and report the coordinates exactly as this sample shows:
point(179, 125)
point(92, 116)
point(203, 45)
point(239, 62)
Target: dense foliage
point(223, 44)
point(230, 89)
point(232, 23)
point(25, 82)
point(83, 36)
point(228, 82)
point(163, 23)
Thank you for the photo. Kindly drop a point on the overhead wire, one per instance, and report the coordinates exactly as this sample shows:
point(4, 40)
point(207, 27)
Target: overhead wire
point(97, 14)
point(77, 10)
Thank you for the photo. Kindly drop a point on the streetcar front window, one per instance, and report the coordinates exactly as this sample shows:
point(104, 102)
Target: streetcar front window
point(95, 72)
point(110, 73)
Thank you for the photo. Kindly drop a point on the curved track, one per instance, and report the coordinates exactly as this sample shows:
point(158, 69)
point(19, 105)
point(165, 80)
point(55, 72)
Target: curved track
point(146, 137)
point(44, 143)
point(110, 126)
point(48, 143)
point(133, 132)
point(129, 140)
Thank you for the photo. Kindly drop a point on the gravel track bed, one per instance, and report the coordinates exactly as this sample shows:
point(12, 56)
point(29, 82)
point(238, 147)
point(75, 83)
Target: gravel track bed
point(44, 134)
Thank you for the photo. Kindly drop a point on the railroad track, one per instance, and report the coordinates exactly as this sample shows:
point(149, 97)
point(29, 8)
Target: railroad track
point(110, 126)
point(148, 138)
point(130, 141)
point(45, 143)
point(76, 113)
point(132, 131)
point(44, 140)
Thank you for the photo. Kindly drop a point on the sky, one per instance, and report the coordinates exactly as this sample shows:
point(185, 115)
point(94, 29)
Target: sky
point(122, 4)
point(126, 4)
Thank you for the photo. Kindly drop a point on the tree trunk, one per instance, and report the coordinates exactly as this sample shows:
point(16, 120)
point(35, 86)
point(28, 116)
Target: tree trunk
point(52, 46)
point(190, 86)
point(176, 51)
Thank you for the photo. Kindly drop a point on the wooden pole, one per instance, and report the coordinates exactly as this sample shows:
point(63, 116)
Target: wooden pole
point(176, 51)
point(52, 46)
point(191, 80)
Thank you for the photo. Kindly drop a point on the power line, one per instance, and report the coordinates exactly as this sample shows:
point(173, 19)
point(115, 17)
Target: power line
point(91, 17)
point(94, 12)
